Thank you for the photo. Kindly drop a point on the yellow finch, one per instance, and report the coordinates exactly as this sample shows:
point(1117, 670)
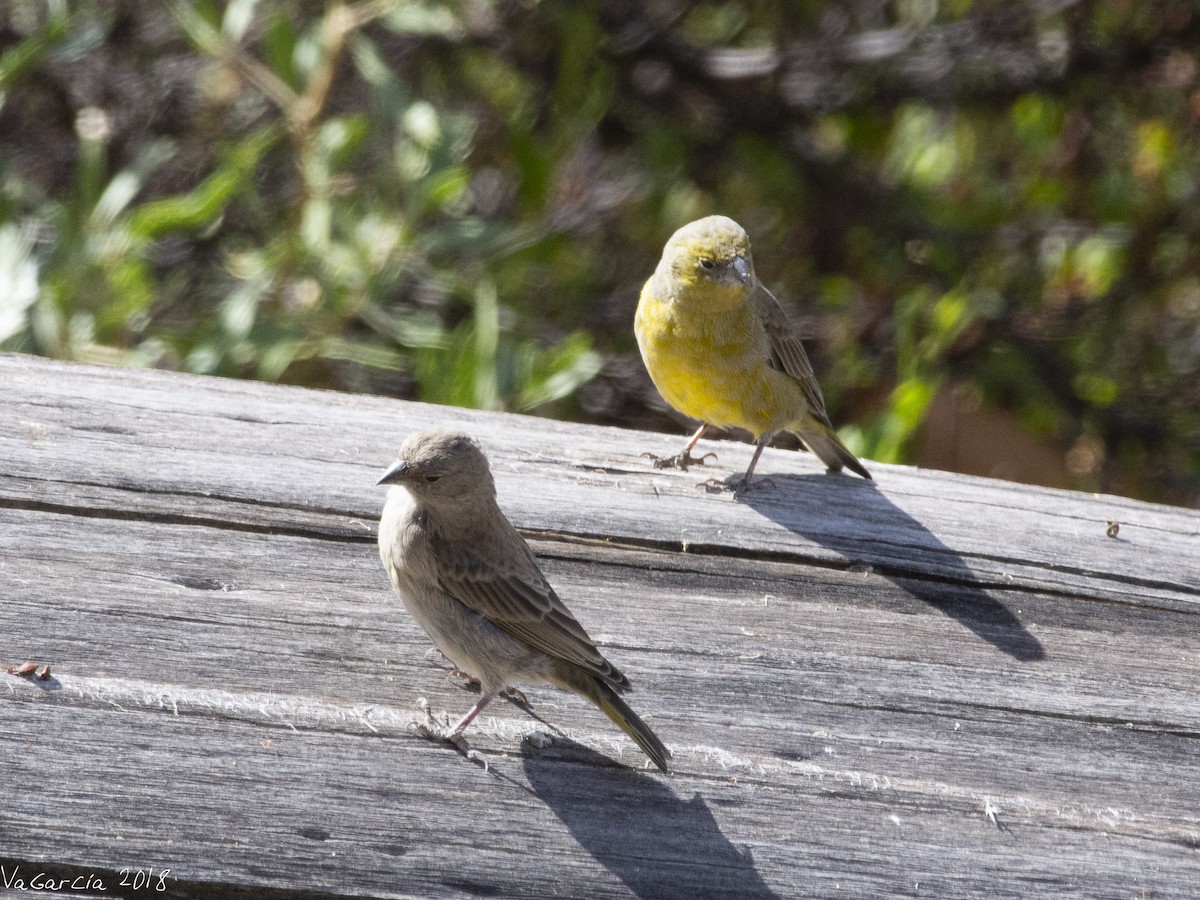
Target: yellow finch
point(720, 348)
point(471, 581)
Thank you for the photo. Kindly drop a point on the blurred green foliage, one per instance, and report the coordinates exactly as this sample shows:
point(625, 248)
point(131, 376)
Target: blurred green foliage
point(458, 201)
point(309, 232)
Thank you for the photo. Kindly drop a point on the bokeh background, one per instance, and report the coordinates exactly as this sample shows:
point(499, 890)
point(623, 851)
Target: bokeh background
point(983, 216)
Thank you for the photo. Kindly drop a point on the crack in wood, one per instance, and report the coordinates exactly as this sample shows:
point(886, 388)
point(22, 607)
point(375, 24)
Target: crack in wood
point(203, 521)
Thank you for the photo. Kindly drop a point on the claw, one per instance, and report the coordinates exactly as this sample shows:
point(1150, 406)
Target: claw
point(459, 674)
point(432, 727)
point(679, 461)
point(516, 695)
point(737, 486)
point(436, 730)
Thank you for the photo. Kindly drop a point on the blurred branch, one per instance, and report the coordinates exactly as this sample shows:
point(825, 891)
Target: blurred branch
point(15, 62)
point(340, 22)
point(301, 110)
point(210, 40)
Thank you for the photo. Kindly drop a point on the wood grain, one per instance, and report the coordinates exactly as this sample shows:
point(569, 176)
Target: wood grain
point(934, 685)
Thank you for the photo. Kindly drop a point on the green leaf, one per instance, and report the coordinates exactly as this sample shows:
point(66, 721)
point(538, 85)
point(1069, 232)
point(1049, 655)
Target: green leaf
point(280, 44)
point(486, 340)
point(424, 18)
point(419, 328)
point(125, 185)
point(559, 372)
point(370, 355)
point(199, 207)
point(19, 59)
point(18, 281)
point(276, 357)
point(238, 16)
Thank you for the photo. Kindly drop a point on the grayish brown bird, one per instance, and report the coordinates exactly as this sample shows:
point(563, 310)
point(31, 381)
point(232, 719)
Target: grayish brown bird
point(471, 581)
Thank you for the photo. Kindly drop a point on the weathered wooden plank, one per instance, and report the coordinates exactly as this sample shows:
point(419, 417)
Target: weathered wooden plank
point(233, 679)
point(279, 453)
point(802, 728)
point(323, 811)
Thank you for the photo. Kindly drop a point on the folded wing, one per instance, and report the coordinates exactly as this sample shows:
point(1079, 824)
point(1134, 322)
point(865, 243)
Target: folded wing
point(512, 593)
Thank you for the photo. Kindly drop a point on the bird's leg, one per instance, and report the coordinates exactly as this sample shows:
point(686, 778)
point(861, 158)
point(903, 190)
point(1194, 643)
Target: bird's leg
point(466, 720)
point(437, 731)
point(714, 486)
point(467, 680)
point(455, 736)
point(684, 459)
point(687, 451)
point(762, 442)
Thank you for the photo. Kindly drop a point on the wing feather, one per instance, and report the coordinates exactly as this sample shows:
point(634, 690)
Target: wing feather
point(787, 351)
point(515, 596)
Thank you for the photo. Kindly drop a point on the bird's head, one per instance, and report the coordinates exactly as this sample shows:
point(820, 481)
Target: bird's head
point(713, 252)
point(442, 468)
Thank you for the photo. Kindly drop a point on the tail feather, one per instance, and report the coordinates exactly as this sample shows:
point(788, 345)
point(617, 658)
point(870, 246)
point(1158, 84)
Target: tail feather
point(828, 447)
point(627, 720)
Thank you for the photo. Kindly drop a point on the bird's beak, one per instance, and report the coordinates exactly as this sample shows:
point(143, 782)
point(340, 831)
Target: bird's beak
point(741, 265)
point(395, 474)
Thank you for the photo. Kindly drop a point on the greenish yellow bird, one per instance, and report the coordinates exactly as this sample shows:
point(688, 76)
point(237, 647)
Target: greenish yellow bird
point(470, 580)
point(720, 348)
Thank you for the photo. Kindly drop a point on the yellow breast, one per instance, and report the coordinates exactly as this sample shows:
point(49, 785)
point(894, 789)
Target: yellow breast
point(712, 364)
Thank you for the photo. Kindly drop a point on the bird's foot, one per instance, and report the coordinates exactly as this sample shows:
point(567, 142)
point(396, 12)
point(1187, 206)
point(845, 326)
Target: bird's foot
point(437, 657)
point(679, 460)
point(714, 486)
point(461, 678)
point(432, 727)
point(515, 695)
point(438, 730)
point(736, 486)
point(458, 741)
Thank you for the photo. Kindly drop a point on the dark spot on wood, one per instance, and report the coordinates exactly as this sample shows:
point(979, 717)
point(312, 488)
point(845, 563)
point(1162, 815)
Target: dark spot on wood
point(103, 429)
point(792, 755)
point(201, 584)
point(474, 887)
point(727, 802)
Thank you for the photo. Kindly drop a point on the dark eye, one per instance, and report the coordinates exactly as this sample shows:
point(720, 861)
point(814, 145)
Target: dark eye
point(432, 478)
point(707, 263)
